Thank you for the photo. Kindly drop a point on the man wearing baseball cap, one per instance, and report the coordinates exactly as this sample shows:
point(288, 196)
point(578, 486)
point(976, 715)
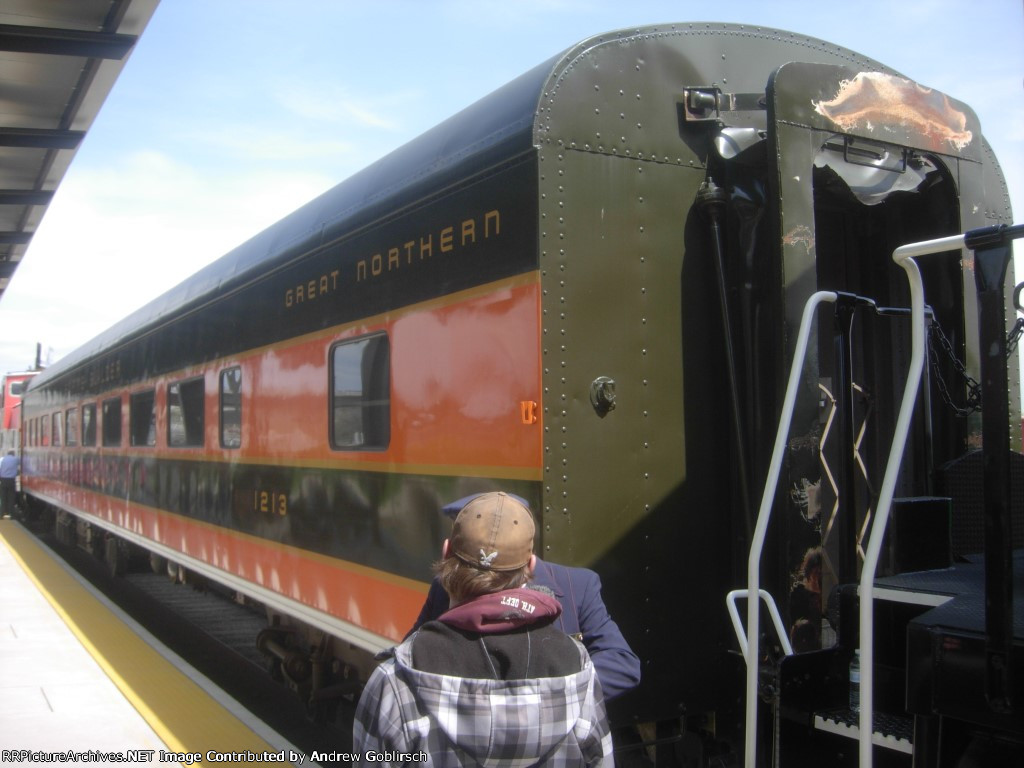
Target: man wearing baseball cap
point(584, 614)
point(494, 681)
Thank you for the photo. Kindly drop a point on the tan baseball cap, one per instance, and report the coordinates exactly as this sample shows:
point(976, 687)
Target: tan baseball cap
point(493, 532)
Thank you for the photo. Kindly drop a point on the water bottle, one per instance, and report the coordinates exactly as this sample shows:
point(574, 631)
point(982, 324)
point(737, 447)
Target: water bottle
point(855, 682)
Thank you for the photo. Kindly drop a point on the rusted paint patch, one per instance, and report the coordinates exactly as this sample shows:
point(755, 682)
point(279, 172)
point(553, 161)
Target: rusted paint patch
point(874, 100)
point(800, 235)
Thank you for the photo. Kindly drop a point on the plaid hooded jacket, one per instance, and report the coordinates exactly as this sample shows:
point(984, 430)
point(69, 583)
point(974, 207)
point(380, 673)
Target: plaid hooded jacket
point(409, 717)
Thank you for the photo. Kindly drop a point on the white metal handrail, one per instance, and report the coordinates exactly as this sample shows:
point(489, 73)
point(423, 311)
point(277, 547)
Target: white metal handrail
point(903, 256)
point(741, 636)
point(763, 516)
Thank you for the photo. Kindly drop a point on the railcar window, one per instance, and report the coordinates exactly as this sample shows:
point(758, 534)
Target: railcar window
point(112, 422)
point(231, 408)
point(89, 424)
point(17, 388)
point(185, 419)
point(71, 426)
point(56, 419)
point(44, 422)
point(361, 394)
point(142, 418)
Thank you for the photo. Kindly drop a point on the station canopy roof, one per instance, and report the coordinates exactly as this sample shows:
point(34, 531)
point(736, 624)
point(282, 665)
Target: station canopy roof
point(59, 60)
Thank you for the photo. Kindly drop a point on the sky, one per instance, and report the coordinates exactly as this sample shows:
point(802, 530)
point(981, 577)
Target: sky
point(230, 114)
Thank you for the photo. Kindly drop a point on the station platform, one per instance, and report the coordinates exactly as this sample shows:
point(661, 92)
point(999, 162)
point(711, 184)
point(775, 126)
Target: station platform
point(80, 678)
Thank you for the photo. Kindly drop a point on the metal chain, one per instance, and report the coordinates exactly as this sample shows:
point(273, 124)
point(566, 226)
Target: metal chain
point(1014, 336)
point(937, 338)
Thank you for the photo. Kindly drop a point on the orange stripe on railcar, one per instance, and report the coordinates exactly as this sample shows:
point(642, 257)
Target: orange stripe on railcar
point(460, 370)
point(462, 367)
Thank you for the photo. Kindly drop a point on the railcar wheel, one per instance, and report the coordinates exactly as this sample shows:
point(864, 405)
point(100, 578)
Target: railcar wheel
point(113, 556)
point(274, 670)
point(62, 528)
point(90, 538)
point(157, 564)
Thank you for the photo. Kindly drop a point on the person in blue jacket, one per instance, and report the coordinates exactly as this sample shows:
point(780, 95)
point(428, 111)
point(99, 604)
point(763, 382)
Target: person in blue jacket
point(9, 467)
point(584, 616)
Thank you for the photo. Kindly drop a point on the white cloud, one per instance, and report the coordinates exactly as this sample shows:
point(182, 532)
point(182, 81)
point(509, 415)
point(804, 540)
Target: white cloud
point(121, 236)
point(264, 145)
point(336, 106)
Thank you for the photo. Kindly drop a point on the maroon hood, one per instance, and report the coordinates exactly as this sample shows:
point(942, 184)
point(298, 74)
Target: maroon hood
point(502, 611)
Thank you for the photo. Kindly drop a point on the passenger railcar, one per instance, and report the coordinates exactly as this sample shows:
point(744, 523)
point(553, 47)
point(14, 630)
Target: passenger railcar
point(584, 289)
point(13, 388)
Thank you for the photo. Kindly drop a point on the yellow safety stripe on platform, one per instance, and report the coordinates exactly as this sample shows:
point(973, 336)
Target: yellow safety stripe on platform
point(181, 713)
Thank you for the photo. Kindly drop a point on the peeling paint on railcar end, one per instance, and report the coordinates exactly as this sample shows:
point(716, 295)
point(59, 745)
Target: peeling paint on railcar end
point(874, 100)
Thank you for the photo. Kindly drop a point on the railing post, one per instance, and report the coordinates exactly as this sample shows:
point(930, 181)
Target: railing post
point(992, 253)
point(764, 515)
point(903, 256)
